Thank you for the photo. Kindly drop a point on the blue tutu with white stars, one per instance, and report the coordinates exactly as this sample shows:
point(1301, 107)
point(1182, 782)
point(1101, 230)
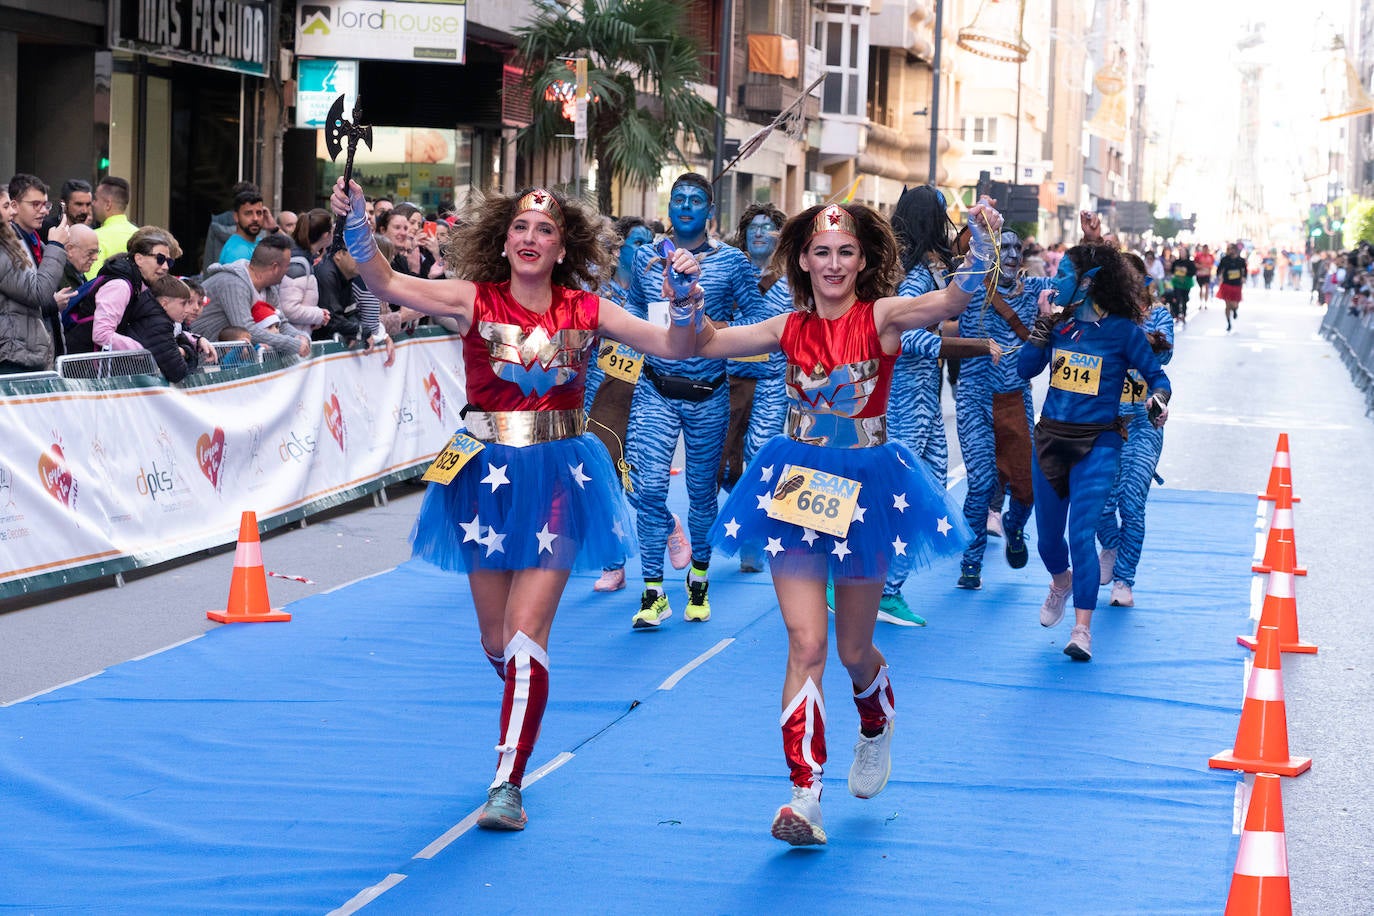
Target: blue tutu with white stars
point(903, 513)
point(554, 505)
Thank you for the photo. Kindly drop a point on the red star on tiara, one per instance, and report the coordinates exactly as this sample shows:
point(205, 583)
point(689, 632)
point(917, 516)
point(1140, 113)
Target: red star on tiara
point(541, 200)
point(834, 218)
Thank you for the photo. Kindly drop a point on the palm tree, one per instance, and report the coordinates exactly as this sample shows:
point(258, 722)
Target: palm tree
point(631, 45)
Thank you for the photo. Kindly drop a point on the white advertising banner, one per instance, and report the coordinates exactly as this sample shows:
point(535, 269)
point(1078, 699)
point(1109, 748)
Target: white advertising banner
point(149, 474)
point(372, 30)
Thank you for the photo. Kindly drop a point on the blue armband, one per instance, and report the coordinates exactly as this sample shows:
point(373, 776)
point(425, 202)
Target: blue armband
point(358, 238)
point(687, 310)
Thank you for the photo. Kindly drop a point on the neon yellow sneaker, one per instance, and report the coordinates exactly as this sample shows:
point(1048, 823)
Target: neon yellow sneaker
point(698, 605)
point(653, 610)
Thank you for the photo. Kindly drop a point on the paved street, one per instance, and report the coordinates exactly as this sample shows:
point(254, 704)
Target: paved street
point(1233, 394)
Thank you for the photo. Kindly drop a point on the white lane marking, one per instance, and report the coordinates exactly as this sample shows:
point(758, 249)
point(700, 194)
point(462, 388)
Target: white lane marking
point(470, 821)
point(686, 669)
point(956, 475)
point(1256, 596)
point(1238, 807)
point(367, 895)
point(139, 658)
point(330, 591)
point(75, 680)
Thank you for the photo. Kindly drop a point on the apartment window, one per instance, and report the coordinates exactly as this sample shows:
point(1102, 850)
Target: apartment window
point(758, 16)
point(841, 34)
point(981, 136)
point(879, 71)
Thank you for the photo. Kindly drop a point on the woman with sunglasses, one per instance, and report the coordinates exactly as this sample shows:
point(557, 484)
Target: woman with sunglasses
point(538, 495)
point(834, 496)
point(94, 318)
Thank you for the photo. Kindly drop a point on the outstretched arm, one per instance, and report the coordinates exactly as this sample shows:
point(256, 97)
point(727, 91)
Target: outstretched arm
point(441, 298)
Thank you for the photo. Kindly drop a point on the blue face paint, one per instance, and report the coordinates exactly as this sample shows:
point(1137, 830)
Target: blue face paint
point(689, 209)
point(761, 238)
point(639, 237)
point(1065, 283)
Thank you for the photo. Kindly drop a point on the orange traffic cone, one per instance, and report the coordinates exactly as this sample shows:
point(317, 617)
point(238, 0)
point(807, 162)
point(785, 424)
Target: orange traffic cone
point(1280, 472)
point(248, 587)
point(1281, 607)
point(1280, 528)
point(1259, 885)
point(1262, 739)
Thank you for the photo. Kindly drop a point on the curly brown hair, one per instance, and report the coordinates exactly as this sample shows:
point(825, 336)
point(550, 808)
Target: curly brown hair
point(1115, 288)
point(474, 251)
point(882, 269)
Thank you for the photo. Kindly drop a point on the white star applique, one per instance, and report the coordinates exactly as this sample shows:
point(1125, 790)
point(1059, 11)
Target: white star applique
point(841, 549)
point(496, 476)
point(763, 501)
point(899, 502)
point(859, 512)
point(899, 546)
point(809, 537)
point(943, 525)
point(766, 474)
point(496, 543)
point(732, 528)
point(617, 529)
point(546, 538)
point(774, 546)
point(578, 476)
point(472, 531)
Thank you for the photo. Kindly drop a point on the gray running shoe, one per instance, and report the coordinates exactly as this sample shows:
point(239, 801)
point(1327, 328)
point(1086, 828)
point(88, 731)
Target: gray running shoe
point(1121, 595)
point(1052, 611)
point(503, 810)
point(799, 823)
point(872, 764)
point(1080, 647)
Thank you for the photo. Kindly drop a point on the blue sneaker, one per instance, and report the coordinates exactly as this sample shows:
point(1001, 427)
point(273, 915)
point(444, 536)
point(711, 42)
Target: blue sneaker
point(503, 810)
point(1017, 554)
point(970, 576)
point(830, 596)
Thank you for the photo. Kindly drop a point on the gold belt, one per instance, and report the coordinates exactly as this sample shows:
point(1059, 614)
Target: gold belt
point(835, 431)
point(519, 428)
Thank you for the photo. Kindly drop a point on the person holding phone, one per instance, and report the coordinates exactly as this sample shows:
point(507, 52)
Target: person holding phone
point(27, 290)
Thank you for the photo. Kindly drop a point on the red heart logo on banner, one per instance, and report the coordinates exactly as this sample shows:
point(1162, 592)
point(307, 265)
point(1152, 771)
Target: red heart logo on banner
point(55, 475)
point(333, 418)
point(210, 455)
point(436, 395)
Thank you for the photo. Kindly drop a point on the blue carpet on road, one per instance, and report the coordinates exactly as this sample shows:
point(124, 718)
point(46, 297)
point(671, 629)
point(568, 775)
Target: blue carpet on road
point(290, 768)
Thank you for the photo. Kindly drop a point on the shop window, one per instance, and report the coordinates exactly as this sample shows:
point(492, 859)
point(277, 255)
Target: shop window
point(423, 165)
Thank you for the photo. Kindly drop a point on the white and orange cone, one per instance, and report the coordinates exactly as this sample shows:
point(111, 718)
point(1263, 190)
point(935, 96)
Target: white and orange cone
point(1280, 472)
point(1281, 607)
point(248, 601)
point(1262, 739)
point(1280, 529)
point(1259, 884)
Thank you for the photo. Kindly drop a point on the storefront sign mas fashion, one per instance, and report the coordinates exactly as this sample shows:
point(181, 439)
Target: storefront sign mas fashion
point(225, 34)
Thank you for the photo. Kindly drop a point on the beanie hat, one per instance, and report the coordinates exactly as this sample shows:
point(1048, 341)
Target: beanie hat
point(264, 315)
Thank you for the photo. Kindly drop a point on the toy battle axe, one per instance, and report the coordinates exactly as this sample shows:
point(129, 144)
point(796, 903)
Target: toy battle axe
point(337, 129)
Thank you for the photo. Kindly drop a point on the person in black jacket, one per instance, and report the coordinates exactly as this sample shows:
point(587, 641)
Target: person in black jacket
point(153, 318)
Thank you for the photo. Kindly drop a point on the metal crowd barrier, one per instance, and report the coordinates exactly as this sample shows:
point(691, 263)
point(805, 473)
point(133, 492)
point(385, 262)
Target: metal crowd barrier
point(1352, 333)
point(229, 353)
point(107, 364)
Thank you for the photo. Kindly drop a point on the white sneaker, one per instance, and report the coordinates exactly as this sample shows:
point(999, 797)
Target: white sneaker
point(872, 764)
point(994, 524)
point(1080, 647)
point(1107, 559)
point(799, 823)
point(1052, 611)
point(1121, 595)
point(612, 580)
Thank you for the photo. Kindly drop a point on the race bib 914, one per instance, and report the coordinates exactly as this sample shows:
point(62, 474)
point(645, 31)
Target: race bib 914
point(815, 499)
point(1076, 372)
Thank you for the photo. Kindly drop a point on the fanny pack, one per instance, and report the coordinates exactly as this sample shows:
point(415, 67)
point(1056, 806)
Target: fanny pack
point(681, 388)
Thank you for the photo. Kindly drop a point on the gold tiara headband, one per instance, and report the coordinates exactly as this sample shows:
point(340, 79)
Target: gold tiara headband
point(544, 202)
point(833, 218)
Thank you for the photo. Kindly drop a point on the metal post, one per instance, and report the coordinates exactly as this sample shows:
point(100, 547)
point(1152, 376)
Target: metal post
point(727, 16)
point(935, 94)
point(1016, 156)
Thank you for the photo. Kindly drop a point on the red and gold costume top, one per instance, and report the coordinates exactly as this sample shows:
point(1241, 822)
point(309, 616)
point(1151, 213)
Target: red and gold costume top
point(837, 366)
point(517, 359)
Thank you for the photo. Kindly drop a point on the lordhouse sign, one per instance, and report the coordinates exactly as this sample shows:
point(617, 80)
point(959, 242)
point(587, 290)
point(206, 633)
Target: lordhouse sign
point(373, 30)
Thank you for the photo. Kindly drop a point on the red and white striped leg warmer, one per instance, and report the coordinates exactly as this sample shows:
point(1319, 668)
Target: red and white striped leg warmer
point(876, 704)
point(803, 736)
point(522, 706)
